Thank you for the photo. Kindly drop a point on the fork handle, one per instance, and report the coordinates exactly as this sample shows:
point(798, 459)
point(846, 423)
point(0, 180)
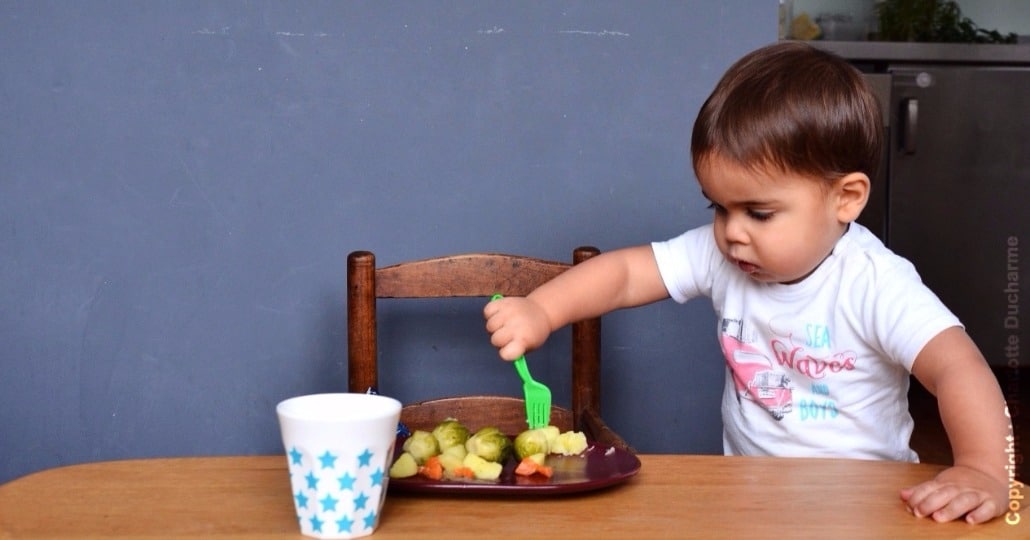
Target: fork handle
point(522, 368)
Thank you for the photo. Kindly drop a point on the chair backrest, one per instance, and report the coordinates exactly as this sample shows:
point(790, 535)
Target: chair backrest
point(469, 275)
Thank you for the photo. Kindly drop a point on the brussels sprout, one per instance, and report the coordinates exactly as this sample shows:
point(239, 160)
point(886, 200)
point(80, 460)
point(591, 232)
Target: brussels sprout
point(450, 433)
point(422, 446)
point(531, 441)
point(490, 444)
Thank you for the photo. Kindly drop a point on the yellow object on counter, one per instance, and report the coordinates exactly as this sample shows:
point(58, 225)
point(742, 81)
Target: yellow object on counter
point(802, 27)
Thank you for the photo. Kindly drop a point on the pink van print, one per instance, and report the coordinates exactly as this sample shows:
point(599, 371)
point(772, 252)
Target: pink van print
point(753, 373)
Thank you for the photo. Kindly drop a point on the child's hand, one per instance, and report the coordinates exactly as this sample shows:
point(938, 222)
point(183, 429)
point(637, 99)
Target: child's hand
point(956, 492)
point(516, 325)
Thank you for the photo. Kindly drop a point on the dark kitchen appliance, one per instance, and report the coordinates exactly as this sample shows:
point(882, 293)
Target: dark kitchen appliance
point(953, 194)
point(958, 193)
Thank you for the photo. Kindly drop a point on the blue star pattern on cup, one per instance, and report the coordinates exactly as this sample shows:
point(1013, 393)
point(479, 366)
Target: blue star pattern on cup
point(337, 494)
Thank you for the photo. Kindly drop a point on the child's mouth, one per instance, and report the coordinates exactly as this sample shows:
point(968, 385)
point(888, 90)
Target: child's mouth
point(747, 267)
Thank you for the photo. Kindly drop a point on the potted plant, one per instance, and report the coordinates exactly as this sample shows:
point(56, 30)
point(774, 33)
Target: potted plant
point(932, 21)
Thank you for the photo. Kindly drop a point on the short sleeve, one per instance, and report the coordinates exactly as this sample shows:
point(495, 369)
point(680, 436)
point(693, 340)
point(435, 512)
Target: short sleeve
point(904, 313)
point(686, 263)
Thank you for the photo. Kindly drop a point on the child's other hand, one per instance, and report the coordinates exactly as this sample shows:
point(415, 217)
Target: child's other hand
point(956, 492)
point(516, 325)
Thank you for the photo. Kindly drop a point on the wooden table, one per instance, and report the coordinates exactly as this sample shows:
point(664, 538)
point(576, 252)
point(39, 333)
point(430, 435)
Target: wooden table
point(673, 496)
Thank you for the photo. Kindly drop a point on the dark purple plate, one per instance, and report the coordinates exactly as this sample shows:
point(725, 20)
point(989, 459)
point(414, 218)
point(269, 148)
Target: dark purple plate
point(598, 467)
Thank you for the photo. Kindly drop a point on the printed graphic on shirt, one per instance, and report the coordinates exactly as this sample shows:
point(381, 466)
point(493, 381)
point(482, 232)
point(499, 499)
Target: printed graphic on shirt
point(754, 375)
point(819, 406)
point(807, 350)
point(767, 381)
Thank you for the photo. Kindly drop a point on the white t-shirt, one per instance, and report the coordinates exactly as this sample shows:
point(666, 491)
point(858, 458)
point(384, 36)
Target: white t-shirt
point(817, 368)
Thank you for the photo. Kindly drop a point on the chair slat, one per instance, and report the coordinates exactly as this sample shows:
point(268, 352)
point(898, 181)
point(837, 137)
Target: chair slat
point(481, 274)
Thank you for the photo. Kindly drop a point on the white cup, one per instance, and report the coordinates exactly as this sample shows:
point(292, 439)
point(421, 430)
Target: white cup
point(339, 448)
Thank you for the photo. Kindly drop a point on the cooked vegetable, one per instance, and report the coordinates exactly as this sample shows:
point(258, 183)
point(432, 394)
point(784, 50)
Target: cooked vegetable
point(570, 443)
point(422, 445)
point(432, 470)
point(549, 440)
point(490, 444)
point(539, 459)
point(450, 433)
point(481, 468)
point(449, 452)
point(552, 433)
point(452, 459)
point(526, 467)
point(404, 467)
point(464, 472)
point(534, 464)
point(534, 441)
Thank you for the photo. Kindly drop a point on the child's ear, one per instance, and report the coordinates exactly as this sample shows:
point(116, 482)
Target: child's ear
point(852, 193)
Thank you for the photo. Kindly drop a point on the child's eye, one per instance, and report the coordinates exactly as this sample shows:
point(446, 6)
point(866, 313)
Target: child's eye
point(759, 215)
point(717, 208)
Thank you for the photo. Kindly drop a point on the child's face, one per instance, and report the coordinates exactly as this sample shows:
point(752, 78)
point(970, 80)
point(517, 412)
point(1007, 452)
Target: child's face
point(775, 227)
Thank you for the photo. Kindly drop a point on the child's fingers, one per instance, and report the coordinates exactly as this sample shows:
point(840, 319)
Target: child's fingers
point(512, 351)
point(493, 324)
point(958, 505)
point(925, 499)
point(985, 512)
point(490, 309)
point(943, 501)
point(499, 338)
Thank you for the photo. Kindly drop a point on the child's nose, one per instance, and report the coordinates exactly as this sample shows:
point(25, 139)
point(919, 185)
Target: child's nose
point(736, 232)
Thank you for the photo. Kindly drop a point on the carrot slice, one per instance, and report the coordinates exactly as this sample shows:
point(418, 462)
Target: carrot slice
point(432, 470)
point(464, 472)
point(529, 467)
point(526, 467)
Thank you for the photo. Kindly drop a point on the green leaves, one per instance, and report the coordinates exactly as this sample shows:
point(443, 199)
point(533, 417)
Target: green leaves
point(939, 21)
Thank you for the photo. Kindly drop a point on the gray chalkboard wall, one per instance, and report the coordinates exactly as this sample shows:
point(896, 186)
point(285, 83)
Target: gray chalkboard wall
point(180, 184)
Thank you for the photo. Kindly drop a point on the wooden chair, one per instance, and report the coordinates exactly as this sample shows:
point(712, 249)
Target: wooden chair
point(472, 275)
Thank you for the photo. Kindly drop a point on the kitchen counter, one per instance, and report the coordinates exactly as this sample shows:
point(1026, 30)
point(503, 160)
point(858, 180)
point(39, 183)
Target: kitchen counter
point(937, 53)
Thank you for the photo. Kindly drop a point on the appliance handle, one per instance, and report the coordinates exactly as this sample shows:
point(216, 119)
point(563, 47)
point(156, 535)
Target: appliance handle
point(909, 124)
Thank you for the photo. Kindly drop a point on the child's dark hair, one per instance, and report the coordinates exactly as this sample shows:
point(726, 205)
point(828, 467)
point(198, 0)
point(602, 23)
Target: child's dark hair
point(794, 108)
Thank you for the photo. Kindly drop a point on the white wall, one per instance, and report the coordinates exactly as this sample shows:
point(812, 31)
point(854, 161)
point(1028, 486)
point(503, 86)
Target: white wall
point(1002, 15)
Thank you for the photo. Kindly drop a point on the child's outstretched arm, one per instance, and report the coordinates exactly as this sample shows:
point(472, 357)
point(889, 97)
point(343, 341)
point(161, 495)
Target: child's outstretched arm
point(616, 279)
point(972, 409)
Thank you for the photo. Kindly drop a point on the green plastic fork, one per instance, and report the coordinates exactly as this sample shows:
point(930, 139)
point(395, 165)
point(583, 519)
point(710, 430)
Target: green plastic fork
point(538, 395)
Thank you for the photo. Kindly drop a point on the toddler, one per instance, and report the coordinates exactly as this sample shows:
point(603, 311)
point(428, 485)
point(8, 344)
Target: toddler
point(819, 323)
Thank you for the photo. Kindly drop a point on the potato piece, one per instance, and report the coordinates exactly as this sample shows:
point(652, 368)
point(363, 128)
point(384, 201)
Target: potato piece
point(483, 469)
point(453, 458)
point(404, 467)
point(570, 443)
